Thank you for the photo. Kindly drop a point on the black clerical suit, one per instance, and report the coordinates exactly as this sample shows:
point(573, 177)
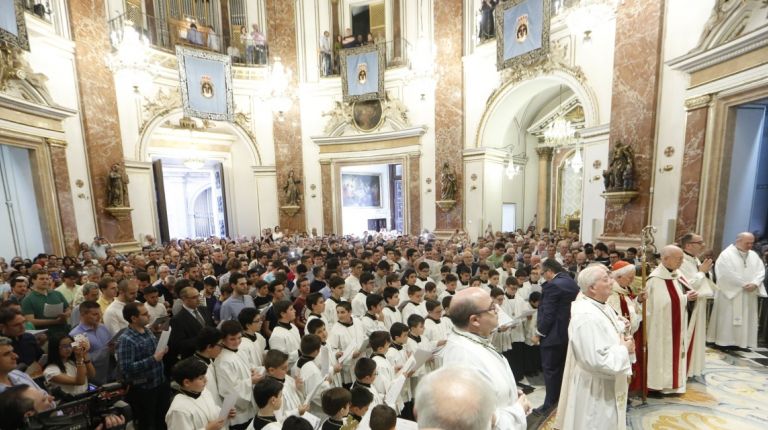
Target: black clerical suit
point(184, 330)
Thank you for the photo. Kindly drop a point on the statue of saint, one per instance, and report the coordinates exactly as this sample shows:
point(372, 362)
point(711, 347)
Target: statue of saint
point(117, 187)
point(291, 189)
point(448, 180)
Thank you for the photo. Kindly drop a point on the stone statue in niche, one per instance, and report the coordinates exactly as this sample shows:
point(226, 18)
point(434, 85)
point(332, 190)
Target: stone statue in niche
point(448, 181)
point(117, 187)
point(620, 175)
point(291, 190)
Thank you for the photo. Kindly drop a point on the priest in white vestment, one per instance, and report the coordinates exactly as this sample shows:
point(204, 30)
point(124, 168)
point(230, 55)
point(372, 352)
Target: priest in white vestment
point(594, 393)
point(740, 275)
point(667, 321)
point(695, 272)
point(474, 316)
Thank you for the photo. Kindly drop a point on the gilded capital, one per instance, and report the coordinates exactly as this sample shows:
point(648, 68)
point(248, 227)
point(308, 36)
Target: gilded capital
point(698, 102)
point(544, 152)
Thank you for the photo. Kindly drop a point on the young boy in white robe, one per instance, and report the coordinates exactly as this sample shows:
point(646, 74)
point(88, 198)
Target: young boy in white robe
point(422, 276)
point(435, 331)
point(390, 312)
point(366, 288)
point(336, 285)
point(415, 295)
point(318, 328)
point(416, 339)
point(362, 400)
point(430, 293)
point(532, 350)
point(450, 286)
point(446, 302)
point(493, 280)
point(252, 345)
point(277, 366)
point(373, 319)
point(285, 336)
point(365, 376)
point(312, 374)
point(397, 356)
point(207, 350)
point(344, 333)
point(268, 396)
point(514, 306)
point(385, 373)
point(336, 403)
point(193, 406)
point(500, 338)
point(234, 375)
point(316, 306)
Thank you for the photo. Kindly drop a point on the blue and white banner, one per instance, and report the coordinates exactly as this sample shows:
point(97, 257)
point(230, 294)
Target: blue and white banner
point(206, 80)
point(362, 73)
point(523, 28)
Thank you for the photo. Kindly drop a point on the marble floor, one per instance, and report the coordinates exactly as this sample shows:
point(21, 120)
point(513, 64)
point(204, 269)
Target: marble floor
point(731, 395)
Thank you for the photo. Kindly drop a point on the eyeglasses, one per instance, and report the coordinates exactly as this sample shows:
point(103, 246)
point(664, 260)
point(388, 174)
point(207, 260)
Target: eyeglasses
point(696, 241)
point(494, 309)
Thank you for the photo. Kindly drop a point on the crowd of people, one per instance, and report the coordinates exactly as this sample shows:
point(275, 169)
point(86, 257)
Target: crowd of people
point(296, 332)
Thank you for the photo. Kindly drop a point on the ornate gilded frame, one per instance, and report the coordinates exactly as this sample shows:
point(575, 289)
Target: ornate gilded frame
point(226, 63)
point(529, 57)
point(344, 53)
point(22, 39)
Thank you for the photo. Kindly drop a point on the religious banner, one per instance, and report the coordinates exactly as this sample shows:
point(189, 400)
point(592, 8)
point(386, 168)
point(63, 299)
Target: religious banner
point(523, 32)
point(206, 84)
point(13, 28)
point(362, 73)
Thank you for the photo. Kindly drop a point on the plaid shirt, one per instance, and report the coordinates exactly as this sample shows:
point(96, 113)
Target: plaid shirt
point(135, 357)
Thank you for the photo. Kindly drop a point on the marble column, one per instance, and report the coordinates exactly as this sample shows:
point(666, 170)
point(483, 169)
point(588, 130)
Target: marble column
point(636, 73)
point(326, 176)
point(414, 193)
point(64, 196)
point(449, 120)
point(544, 193)
point(693, 158)
point(98, 109)
point(281, 30)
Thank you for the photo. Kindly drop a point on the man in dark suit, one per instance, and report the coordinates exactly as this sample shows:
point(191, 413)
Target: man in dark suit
point(554, 314)
point(185, 326)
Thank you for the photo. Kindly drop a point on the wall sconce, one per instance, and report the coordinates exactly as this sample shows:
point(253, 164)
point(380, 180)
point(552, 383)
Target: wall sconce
point(83, 196)
point(595, 178)
point(313, 187)
point(667, 168)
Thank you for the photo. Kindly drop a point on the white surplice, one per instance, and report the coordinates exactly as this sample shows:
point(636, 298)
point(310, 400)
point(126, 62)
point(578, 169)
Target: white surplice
point(233, 375)
point(339, 338)
point(666, 347)
point(253, 352)
point(697, 325)
point(187, 413)
point(594, 393)
point(467, 349)
point(312, 377)
point(734, 316)
point(391, 316)
point(286, 340)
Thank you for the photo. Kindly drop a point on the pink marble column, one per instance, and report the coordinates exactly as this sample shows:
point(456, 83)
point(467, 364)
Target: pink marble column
point(449, 121)
point(636, 65)
point(64, 197)
point(281, 37)
point(690, 174)
point(98, 109)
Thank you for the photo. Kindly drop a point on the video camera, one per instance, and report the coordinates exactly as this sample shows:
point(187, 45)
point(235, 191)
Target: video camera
point(85, 411)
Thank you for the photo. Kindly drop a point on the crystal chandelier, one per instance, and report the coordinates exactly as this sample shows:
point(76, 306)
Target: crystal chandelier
point(560, 131)
point(576, 162)
point(194, 163)
point(131, 55)
point(279, 81)
point(512, 169)
point(586, 15)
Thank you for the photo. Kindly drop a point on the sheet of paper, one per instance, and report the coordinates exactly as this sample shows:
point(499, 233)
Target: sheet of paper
point(323, 361)
point(362, 346)
point(53, 311)
point(348, 352)
point(227, 404)
point(406, 425)
point(393, 391)
point(311, 394)
point(409, 365)
point(36, 332)
point(365, 422)
point(421, 356)
point(163, 341)
point(504, 318)
point(314, 420)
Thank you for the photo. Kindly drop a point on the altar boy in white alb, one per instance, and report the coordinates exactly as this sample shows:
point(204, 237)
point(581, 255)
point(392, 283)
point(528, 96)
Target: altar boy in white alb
point(193, 406)
point(594, 392)
point(285, 337)
point(740, 275)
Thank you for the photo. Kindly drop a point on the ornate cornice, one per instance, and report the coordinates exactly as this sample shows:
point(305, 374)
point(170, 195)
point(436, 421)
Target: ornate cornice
point(699, 60)
point(694, 103)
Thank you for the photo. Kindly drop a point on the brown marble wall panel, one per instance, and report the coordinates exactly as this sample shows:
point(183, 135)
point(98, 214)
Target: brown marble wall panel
point(543, 203)
point(414, 194)
point(326, 187)
point(449, 119)
point(636, 66)
point(690, 175)
point(64, 199)
point(281, 27)
point(98, 108)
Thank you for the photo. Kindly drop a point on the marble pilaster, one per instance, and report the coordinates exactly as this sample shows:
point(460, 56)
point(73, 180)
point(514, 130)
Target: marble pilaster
point(98, 109)
point(414, 193)
point(449, 120)
point(64, 196)
point(690, 173)
point(636, 73)
point(281, 30)
point(545, 174)
point(326, 178)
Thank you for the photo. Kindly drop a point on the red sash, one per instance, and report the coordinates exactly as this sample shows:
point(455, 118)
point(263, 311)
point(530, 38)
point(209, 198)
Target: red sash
point(677, 331)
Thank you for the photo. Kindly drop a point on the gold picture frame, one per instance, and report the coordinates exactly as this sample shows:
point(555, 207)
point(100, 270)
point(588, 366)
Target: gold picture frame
point(526, 16)
point(354, 55)
point(8, 10)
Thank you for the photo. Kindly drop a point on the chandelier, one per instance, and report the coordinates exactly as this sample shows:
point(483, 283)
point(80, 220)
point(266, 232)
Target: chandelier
point(586, 15)
point(131, 55)
point(576, 162)
point(560, 131)
point(279, 82)
point(512, 169)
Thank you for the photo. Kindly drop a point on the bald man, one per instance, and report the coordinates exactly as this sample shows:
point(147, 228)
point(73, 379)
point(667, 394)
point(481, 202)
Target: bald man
point(186, 324)
point(474, 316)
point(667, 319)
point(740, 275)
point(456, 398)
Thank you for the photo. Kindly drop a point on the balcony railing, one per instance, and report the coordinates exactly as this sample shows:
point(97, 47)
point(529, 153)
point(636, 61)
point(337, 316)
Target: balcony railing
point(40, 8)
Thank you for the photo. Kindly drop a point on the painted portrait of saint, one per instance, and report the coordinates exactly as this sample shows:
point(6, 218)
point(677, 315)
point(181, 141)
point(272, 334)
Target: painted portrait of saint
point(522, 28)
point(206, 87)
point(362, 73)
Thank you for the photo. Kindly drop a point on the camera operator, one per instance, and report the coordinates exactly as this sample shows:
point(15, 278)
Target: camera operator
point(19, 402)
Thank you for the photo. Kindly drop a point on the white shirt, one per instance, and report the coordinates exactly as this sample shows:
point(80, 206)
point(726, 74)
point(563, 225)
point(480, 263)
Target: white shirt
point(113, 317)
point(351, 287)
point(70, 370)
point(156, 311)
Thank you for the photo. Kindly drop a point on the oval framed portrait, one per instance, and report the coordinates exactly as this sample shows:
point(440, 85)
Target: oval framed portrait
point(367, 115)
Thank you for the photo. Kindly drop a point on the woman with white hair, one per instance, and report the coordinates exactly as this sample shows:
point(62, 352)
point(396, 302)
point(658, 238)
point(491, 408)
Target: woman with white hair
point(594, 393)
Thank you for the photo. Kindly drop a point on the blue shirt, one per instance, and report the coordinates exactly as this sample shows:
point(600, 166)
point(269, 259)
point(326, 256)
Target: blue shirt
point(231, 307)
point(98, 337)
point(135, 358)
point(17, 377)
